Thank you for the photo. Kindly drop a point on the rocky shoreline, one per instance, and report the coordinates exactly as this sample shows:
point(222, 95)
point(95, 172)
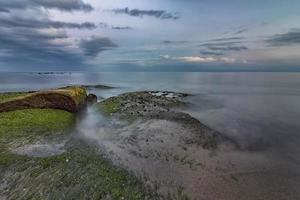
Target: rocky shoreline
point(34, 124)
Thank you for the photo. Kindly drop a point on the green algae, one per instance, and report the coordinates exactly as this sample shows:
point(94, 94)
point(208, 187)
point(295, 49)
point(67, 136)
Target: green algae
point(111, 105)
point(11, 95)
point(28, 125)
point(79, 173)
point(78, 94)
point(132, 101)
point(30, 122)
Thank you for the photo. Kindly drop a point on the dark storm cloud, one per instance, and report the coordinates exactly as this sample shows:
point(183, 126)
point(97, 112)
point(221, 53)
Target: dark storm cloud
point(4, 10)
point(107, 26)
point(64, 5)
point(22, 46)
point(46, 23)
point(290, 38)
point(161, 14)
point(93, 46)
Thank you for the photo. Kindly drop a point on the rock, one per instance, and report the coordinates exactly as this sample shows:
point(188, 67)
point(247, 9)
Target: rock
point(71, 99)
point(91, 99)
point(103, 87)
point(159, 107)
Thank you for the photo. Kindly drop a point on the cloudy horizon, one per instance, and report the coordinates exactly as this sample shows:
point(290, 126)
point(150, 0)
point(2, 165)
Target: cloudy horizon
point(144, 35)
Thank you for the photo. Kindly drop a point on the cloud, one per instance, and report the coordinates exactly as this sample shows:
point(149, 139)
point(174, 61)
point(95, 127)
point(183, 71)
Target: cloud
point(196, 59)
point(221, 46)
point(290, 38)
point(30, 39)
point(243, 30)
point(106, 25)
point(64, 5)
point(226, 39)
point(94, 45)
point(165, 56)
point(161, 14)
point(30, 47)
point(121, 27)
point(227, 60)
point(45, 23)
point(227, 48)
point(199, 59)
point(174, 42)
point(211, 53)
point(4, 10)
point(202, 59)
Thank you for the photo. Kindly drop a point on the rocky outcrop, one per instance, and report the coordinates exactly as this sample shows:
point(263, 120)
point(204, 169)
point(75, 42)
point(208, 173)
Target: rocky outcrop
point(160, 106)
point(70, 99)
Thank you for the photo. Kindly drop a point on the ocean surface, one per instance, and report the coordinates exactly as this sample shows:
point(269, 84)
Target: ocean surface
point(258, 111)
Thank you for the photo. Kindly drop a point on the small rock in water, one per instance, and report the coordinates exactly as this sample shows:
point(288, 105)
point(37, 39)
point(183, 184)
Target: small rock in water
point(91, 99)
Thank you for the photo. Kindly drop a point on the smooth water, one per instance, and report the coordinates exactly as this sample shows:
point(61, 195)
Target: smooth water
point(259, 111)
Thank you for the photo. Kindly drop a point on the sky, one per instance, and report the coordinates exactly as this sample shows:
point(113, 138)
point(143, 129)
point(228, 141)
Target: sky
point(149, 35)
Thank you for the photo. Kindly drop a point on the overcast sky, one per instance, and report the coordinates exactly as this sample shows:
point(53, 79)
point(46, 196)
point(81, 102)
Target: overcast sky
point(149, 35)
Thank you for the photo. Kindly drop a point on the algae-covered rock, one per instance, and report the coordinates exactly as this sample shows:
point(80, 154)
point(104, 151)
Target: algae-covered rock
point(70, 99)
point(79, 173)
point(145, 103)
point(34, 121)
point(160, 106)
point(23, 126)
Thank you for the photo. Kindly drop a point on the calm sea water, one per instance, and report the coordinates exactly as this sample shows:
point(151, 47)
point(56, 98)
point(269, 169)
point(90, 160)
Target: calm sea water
point(260, 111)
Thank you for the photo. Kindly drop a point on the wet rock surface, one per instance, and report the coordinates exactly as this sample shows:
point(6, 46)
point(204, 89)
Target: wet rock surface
point(102, 87)
point(91, 99)
point(71, 99)
point(138, 145)
point(80, 172)
point(161, 106)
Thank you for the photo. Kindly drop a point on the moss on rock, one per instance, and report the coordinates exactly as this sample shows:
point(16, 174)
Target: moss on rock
point(34, 121)
point(145, 103)
point(11, 95)
point(111, 105)
point(28, 125)
point(159, 105)
point(71, 99)
point(79, 173)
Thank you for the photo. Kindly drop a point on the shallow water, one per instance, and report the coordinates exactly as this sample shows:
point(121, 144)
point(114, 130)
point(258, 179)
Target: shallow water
point(259, 111)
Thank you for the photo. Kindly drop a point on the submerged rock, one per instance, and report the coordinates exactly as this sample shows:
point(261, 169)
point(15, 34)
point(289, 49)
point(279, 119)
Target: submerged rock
point(103, 87)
